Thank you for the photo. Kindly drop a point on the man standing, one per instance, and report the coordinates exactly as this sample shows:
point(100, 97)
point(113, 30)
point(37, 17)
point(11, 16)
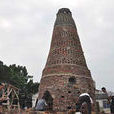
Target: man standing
point(110, 96)
point(84, 98)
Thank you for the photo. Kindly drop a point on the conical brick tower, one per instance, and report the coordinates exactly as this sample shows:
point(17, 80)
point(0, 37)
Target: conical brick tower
point(66, 72)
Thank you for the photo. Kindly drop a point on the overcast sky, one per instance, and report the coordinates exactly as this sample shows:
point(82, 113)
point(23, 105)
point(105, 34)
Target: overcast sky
point(26, 29)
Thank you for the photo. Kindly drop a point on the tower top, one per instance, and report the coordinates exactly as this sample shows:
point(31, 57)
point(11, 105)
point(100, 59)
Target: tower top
point(64, 18)
point(64, 11)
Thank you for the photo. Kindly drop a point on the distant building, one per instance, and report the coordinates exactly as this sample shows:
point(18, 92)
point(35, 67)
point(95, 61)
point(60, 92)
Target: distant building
point(102, 101)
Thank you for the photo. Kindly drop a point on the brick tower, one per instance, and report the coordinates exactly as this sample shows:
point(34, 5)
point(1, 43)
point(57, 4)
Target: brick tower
point(66, 72)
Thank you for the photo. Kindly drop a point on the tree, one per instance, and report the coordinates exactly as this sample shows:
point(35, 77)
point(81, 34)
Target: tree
point(32, 87)
point(4, 72)
point(18, 77)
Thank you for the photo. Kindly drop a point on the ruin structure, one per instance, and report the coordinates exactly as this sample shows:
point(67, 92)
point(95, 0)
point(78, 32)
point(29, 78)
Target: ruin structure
point(66, 72)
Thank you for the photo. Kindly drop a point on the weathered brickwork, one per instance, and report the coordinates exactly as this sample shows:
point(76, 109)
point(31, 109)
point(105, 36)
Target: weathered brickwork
point(66, 72)
point(65, 47)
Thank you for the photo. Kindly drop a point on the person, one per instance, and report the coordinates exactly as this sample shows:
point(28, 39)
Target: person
point(41, 104)
point(110, 97)
point(84, 98)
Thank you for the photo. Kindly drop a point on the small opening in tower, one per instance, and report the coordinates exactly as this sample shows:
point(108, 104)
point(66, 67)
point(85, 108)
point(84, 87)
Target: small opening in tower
point(69, 91)
point(62, 96)
point(69, 107)
point(72, 80)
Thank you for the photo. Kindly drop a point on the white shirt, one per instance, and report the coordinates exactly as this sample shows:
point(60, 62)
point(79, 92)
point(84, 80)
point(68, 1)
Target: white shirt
point(41, 104)
point(83, 94)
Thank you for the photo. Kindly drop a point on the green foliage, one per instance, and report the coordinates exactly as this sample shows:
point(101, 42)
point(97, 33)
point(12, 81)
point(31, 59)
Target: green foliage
point(18, 76)
point(4, 72)
point(32, 87)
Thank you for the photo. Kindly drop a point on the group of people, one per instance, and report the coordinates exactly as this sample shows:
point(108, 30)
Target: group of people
point(41, 104)
point(44, 102)
point(83, 98)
